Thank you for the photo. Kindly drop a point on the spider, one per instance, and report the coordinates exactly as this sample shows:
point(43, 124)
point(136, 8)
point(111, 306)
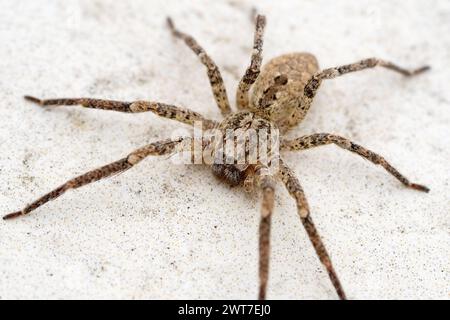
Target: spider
point(276, 96)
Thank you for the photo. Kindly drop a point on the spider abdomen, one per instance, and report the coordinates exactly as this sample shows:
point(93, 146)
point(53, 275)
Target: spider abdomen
point(278, 91)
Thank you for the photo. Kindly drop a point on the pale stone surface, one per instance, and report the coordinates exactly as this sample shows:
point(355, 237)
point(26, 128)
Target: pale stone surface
point(166, 231)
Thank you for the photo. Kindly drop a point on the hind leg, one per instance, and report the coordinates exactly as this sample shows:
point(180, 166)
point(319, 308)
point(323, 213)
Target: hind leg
point(295, 190)
point(320, 139)
point(156, 148)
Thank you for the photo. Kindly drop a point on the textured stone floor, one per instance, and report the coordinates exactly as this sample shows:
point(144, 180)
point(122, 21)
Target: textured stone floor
point(169, 231)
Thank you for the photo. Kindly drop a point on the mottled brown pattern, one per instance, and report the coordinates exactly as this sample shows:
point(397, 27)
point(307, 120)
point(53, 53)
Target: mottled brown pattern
point(320, 139)
point(319, 247)
point(161, 109)
point(269, 96)
point(252, 72)
point(267, 185)
point(264, 252)
point(283, 108)
point(281, 93)
point(156, 148)
point(314, 82)
point(295, 190)
point(215, 78)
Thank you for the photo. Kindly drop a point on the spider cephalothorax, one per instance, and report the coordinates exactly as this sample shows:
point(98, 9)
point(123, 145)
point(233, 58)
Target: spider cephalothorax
point(271, 99)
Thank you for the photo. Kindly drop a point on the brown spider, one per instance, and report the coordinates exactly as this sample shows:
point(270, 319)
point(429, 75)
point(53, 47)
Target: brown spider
point(281, 96)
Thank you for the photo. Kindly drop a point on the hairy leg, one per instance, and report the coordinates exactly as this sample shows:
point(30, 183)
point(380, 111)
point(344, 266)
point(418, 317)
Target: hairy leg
point(161, 109)
point(267, 186)
point(215, 78)
point(269, 96)
point(252, 72)
point(319, 139)
point(156, 148)
point(331, 73)
point(295, 190)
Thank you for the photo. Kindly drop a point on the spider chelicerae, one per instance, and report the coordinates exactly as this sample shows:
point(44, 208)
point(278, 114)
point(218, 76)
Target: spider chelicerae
point(272, 98)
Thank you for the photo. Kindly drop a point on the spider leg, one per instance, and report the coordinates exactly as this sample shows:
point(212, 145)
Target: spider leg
point(252, 72)
point(156, 148)
point(267, 186)
point(161, 109)
point(269, 96)
point(295, 190)
point(331, 73)
point(319, 139)
point(215, 78)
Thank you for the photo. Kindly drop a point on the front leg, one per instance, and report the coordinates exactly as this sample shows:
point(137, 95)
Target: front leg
point(320, 139)
point(331, 73)
point(253, 71)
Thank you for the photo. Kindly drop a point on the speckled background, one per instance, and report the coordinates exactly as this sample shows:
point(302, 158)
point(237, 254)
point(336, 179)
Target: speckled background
point(169, 231)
